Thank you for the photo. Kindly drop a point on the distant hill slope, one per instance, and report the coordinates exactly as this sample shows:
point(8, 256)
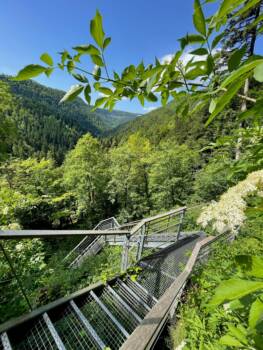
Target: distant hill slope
point(164, 123)
point(45, 127)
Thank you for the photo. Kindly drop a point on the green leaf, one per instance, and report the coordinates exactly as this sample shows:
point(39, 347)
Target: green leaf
point(223, 100)
point(217, 40)
point(251, 265)
point(200, 51)
point(255, 313)
point(97, 60)
point(73, 92)
point(239, 332)
point(164, 97)
point(248, 5)
point(30, 71)
point(151, 97)
point(49, 71)
point(87, 49)
point(234, 289)
point(240, 71)
point(191, 39)
point(80, 77)
point(87, 91)
point(105, 91)
point(46, 58)
point(97, 73)
point(106, 43)
point(229, 341)
point(99, 102)
point(70, 66)
point(212, 105)
point(235, 58)
point(258, 73)
point(226, 7)
point(96, 29)
point(141, 99)
point(199, 18)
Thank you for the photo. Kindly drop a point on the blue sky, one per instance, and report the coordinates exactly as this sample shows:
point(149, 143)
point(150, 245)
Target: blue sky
point(140, 29)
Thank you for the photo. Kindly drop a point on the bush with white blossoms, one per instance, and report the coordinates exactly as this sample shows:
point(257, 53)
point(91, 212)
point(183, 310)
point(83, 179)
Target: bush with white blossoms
point(228, 214)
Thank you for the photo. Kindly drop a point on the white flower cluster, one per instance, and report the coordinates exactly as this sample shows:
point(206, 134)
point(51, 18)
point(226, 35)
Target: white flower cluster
point(228, 214)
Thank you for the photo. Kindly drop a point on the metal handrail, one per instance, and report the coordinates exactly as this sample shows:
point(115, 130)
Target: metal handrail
point(140, 231)
point(85, 238)
point(146, 334)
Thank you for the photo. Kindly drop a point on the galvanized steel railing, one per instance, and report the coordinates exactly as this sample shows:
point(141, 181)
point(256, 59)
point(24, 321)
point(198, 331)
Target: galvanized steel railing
point(91, 244)
point(124, 314)
point(169, 223)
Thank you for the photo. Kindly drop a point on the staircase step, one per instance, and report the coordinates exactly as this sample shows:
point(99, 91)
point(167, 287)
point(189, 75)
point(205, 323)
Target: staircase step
point(38, 337)
point(5, 343)
point(125, 316)
point(131, 298)
point(102, 323)
point(72, 331)
point(108, 312)
point(53, 331)
point(112, 291)
point(142, 292)
point(87, 325)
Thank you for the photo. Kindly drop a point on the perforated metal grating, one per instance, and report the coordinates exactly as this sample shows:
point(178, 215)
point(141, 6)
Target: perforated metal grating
point(72, 332)
point(38, 338)
point(108, 332)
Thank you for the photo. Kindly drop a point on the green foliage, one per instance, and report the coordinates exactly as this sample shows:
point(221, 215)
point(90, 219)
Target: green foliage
point(172, 174)
point(233, 277)
point(33, 124)
point(85, 173)
point(212, 180)
point(129, 177)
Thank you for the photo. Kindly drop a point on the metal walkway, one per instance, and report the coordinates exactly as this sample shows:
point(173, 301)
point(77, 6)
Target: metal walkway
point(103, 316)
point(126, 313)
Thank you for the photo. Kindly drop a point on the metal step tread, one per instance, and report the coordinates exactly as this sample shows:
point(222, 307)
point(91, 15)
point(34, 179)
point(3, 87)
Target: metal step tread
point(102, 323)
point(73, 332)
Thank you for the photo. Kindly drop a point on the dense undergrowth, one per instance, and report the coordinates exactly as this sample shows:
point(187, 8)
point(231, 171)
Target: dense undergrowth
point(53, 280)
point(199, 326)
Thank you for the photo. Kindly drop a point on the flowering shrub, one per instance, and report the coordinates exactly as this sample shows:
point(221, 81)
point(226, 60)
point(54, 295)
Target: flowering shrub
point(228, 214)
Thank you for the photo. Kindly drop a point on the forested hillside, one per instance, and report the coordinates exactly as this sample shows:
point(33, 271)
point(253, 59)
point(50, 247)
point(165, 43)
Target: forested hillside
point(46, 128)
point(203, 149)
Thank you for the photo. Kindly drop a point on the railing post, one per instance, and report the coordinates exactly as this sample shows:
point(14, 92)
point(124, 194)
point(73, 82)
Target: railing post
point(141, 243)
point(125, 253)
point(180, 223)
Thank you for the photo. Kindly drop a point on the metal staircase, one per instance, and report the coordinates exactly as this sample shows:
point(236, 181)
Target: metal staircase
point(129, 312)
point(103, 316)
point(91, 245)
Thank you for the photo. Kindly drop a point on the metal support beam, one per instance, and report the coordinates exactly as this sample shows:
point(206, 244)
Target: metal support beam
point(107, 311)
point(18, 234)
point(5, 342)
point(125, 253)
point(181, 223)
point(53, 332)
point(87, 325)
point(141, 242)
